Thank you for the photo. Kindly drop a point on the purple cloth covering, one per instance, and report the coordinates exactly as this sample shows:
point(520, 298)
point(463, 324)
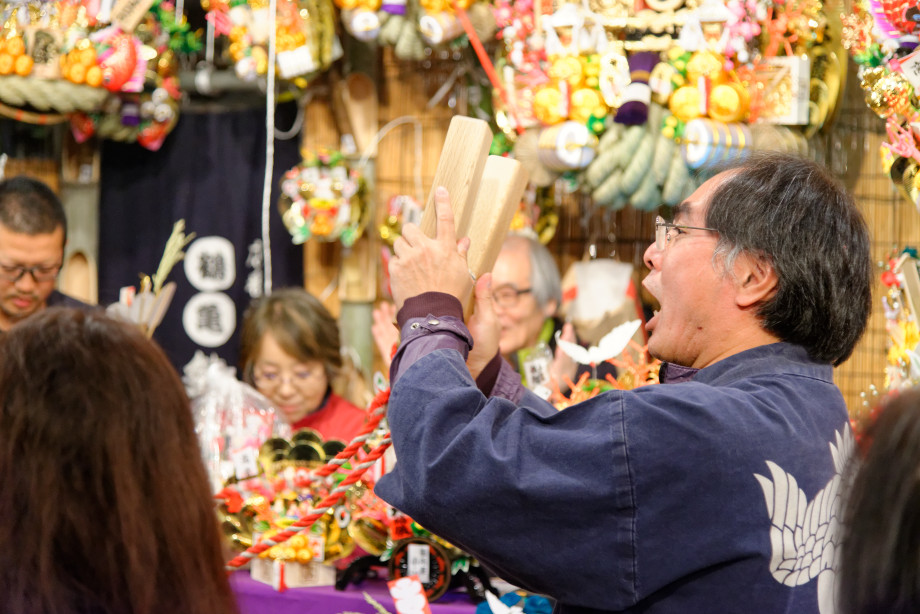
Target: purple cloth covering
point(255, 597)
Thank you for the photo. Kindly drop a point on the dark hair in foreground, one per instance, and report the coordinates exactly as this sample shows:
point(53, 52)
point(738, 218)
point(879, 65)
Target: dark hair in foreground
point(793, 213)
point(105, 504)
point(880, 549)
point(30, 207)
point(300, 324)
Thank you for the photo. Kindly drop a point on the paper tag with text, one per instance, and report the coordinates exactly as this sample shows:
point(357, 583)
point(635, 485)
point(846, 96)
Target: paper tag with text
point(409, 596)
point(245, 462)
point(418, 564)
point(910, 68)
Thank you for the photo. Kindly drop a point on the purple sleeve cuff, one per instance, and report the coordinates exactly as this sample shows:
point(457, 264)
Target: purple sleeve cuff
point(508, 383)
point(436, 303)
point(486, 379)
point(429, 322)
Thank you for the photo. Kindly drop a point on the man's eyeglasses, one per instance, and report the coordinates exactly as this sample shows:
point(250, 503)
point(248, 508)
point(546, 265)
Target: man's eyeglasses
point(663, 231)
point(508, 296)
point(39, 273)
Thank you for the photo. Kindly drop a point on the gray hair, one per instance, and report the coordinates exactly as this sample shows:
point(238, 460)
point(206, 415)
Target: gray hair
point(545, 282)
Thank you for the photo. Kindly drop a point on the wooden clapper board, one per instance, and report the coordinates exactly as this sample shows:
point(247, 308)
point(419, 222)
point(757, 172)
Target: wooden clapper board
point(485, 192)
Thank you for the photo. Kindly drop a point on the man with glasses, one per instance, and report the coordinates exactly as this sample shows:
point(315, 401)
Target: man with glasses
point(715, 491)
point(526, 293)
point(33, 230)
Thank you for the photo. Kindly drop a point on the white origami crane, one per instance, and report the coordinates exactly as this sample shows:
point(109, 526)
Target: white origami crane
point(612, 344)
point(804, 533)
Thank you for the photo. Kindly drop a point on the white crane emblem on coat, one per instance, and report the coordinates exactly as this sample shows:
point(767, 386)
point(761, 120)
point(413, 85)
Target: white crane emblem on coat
point(804, 534)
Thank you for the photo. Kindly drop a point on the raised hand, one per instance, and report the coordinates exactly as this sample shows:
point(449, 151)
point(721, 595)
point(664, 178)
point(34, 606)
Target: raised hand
point(423, 264)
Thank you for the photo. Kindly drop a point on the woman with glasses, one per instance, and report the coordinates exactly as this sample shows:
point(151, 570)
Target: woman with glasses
point(290, 352)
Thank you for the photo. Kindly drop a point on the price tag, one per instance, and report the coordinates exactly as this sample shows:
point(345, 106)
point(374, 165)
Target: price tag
point(910, 68)
point(419, 558)
point(318, 546)
point(245, 462)
point(535, 364)
point(295, 62)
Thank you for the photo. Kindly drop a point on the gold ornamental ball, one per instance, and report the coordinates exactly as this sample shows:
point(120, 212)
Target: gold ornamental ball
point(167, 64)
point(236, 51)
point(547, 105)
point(870, 76)
point(288, 554)
point(568, 69)
point(585, 103)
point(888, 94)
point(728, 102)
point(685, 103)
point(706, 63)
point(298, 541)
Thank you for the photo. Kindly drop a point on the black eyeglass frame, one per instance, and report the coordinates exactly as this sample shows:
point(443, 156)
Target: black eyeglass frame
point(510, 302)
point(40, 273)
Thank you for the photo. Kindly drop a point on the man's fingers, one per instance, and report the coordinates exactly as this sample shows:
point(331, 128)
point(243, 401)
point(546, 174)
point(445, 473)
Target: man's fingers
point(445, 231)
point(411, 233)
point(463, 246)
point(399, 245)
point(483, 293)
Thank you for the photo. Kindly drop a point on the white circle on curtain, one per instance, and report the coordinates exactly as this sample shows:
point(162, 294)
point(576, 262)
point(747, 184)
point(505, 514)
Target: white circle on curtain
point(209, 319)
point(210, 264)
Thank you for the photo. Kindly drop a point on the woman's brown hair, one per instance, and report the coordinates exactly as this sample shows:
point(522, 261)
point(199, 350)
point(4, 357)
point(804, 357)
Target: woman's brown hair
point(105, 504)
point(300, 324)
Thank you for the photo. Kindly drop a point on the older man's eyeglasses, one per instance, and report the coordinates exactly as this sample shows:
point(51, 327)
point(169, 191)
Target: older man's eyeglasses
point(508, 296)
point(39, 273)
point(663, 231)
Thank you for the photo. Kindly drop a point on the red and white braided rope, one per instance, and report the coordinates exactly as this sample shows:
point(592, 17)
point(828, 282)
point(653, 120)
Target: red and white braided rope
point(377, 409)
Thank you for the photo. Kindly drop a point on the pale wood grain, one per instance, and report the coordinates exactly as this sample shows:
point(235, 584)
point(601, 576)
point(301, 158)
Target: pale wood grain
point(460, 167)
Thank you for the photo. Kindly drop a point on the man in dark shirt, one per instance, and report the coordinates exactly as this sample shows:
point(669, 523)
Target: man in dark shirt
point(33, 231)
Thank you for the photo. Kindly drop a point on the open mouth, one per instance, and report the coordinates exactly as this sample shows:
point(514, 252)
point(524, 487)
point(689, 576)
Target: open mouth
point(650, 324)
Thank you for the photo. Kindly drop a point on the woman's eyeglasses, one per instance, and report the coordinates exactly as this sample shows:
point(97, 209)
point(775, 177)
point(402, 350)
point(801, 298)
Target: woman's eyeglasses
point(269, 379)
